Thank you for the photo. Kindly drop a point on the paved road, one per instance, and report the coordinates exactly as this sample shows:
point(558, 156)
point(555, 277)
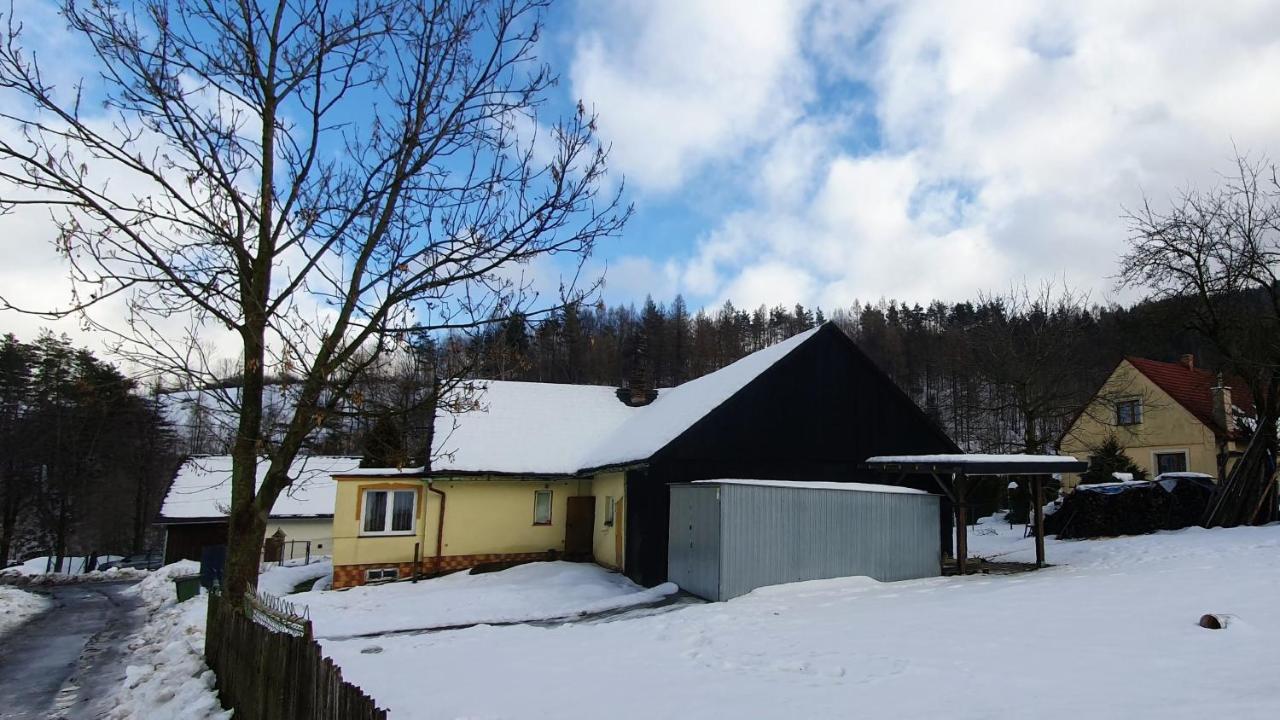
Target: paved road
point(62, 662)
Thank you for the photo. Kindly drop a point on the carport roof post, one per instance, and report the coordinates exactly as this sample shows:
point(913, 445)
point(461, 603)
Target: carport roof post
point(960, 467)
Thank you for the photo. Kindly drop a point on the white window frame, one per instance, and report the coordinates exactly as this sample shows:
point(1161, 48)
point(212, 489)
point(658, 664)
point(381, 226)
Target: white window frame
point(1137, 402)
point(1155, 460)
point(386, 530)
point(551, 507)
point(610, 510)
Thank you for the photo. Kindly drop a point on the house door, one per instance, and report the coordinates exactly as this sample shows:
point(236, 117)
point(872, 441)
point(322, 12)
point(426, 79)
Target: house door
point(580, 521)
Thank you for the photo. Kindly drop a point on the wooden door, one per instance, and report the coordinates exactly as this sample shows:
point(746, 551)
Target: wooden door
point(579, 525)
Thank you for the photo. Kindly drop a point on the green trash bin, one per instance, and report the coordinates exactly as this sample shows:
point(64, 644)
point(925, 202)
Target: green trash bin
point(188, 586)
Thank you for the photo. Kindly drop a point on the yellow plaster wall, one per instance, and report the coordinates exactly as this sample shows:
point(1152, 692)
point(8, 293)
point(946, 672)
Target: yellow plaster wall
point(351, 548)
point(483, 516)
point(1166, 427)
point(496, 515)
point(610, 539)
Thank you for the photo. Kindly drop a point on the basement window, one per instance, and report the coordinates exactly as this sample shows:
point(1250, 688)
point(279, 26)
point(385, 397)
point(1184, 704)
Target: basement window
point(381, 574)
point(389, 512)
point(608, 511)
point(542, 507)
point(1129, 412)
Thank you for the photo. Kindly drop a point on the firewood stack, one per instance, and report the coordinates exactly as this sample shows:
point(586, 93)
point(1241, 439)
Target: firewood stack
point(1248, 496)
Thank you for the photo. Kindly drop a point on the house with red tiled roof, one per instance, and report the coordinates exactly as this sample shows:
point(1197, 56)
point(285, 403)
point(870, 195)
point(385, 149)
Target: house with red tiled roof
point(1169, 417)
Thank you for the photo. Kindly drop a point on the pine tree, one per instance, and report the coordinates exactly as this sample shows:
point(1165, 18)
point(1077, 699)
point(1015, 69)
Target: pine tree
point(1107, 459)
point(384, 444)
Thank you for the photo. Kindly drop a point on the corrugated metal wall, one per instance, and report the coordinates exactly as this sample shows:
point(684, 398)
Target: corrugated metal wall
point(694, 540)
point(770, 535)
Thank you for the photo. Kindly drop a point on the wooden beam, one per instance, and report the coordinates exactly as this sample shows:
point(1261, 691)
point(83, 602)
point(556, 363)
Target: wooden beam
point(962, 525)
point(945, 490)
point(1037, 494)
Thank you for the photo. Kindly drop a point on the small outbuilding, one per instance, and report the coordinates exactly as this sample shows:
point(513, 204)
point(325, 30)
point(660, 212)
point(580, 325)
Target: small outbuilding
point(729, 537)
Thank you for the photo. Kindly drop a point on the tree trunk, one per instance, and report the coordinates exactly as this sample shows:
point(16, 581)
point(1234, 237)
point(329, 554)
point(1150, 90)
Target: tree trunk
point(245, 525)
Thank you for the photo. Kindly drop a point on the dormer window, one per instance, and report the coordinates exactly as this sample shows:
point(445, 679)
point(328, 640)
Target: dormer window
point(1129, 412)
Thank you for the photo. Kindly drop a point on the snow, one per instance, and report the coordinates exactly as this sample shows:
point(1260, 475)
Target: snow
point(857, 487)
point(534, 591)
point(42, 565)
point(1109, 632)
point(495, 426)
point(965, 458)
point(383, 472)
point(166, 676)
point(17, 606)
point(676, 409)
point(546, 428)
point(1173, 475)
point(32, 572)
point(112, 575)
point(281, 580)
point(202, 488)
point(525, 427)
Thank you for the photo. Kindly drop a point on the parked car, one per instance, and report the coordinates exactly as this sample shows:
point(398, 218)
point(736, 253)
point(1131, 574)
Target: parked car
point(143, 561)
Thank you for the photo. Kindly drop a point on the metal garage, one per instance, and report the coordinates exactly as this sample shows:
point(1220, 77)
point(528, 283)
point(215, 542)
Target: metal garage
point(729, 537)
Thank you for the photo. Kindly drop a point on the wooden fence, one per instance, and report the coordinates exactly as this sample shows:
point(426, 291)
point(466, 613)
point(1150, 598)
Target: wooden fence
point(269, 666)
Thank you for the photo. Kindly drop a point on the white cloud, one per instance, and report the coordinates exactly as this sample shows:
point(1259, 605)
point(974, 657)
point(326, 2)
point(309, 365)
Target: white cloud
point(1007, 138)
point(679, 83)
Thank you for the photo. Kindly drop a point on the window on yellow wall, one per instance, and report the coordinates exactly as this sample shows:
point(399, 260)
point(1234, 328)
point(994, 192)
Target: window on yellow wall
point(388, 512)
point(1169, 462)
point(542, 507)
point(608, 510)
point(1129, 412)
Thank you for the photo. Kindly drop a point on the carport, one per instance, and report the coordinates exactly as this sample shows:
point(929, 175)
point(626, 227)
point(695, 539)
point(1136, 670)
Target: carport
point(955, 473)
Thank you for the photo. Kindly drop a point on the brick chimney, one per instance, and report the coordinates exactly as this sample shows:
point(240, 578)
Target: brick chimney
point(1222, 407)
point(1188, 361)
point(639, 390)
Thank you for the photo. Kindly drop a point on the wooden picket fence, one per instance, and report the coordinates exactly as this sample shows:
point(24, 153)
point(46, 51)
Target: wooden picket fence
point(270, 667)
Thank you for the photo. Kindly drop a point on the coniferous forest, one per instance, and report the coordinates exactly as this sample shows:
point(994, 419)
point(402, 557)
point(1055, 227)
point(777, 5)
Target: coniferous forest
point(87, 454)
point(84, 457)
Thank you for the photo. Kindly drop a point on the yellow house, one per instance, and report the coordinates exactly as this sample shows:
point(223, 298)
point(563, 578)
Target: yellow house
point(1169, 417)
point(386, 518)
point(505, 487)
point(526, 471)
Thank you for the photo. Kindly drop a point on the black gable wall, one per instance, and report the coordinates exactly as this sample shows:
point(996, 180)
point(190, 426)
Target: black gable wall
point(813, 416)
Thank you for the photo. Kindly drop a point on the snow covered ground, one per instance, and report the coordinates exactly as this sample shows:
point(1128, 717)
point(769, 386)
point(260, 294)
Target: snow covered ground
point(17, 606)
point(166, 675)
point(1110, 632)
point(536, 591)
point(280, 580)
point(43, 565)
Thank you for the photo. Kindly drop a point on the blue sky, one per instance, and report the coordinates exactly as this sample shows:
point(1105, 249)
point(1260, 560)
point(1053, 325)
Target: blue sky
point(827, 151)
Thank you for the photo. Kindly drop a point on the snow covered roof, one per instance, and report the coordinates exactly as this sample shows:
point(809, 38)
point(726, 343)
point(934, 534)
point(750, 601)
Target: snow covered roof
point(202, 488)
point(979, 463)
point(652, 426)
point(529, 428)
point(533, 428)
point(856, 487)
point(526, 427)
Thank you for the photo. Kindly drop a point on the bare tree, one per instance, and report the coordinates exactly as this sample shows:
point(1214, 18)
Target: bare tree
point(1215, 253)
point(1026, 350)
point(317, 179)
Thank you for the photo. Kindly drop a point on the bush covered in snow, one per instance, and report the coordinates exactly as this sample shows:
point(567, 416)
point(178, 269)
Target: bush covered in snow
point(112, 575)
